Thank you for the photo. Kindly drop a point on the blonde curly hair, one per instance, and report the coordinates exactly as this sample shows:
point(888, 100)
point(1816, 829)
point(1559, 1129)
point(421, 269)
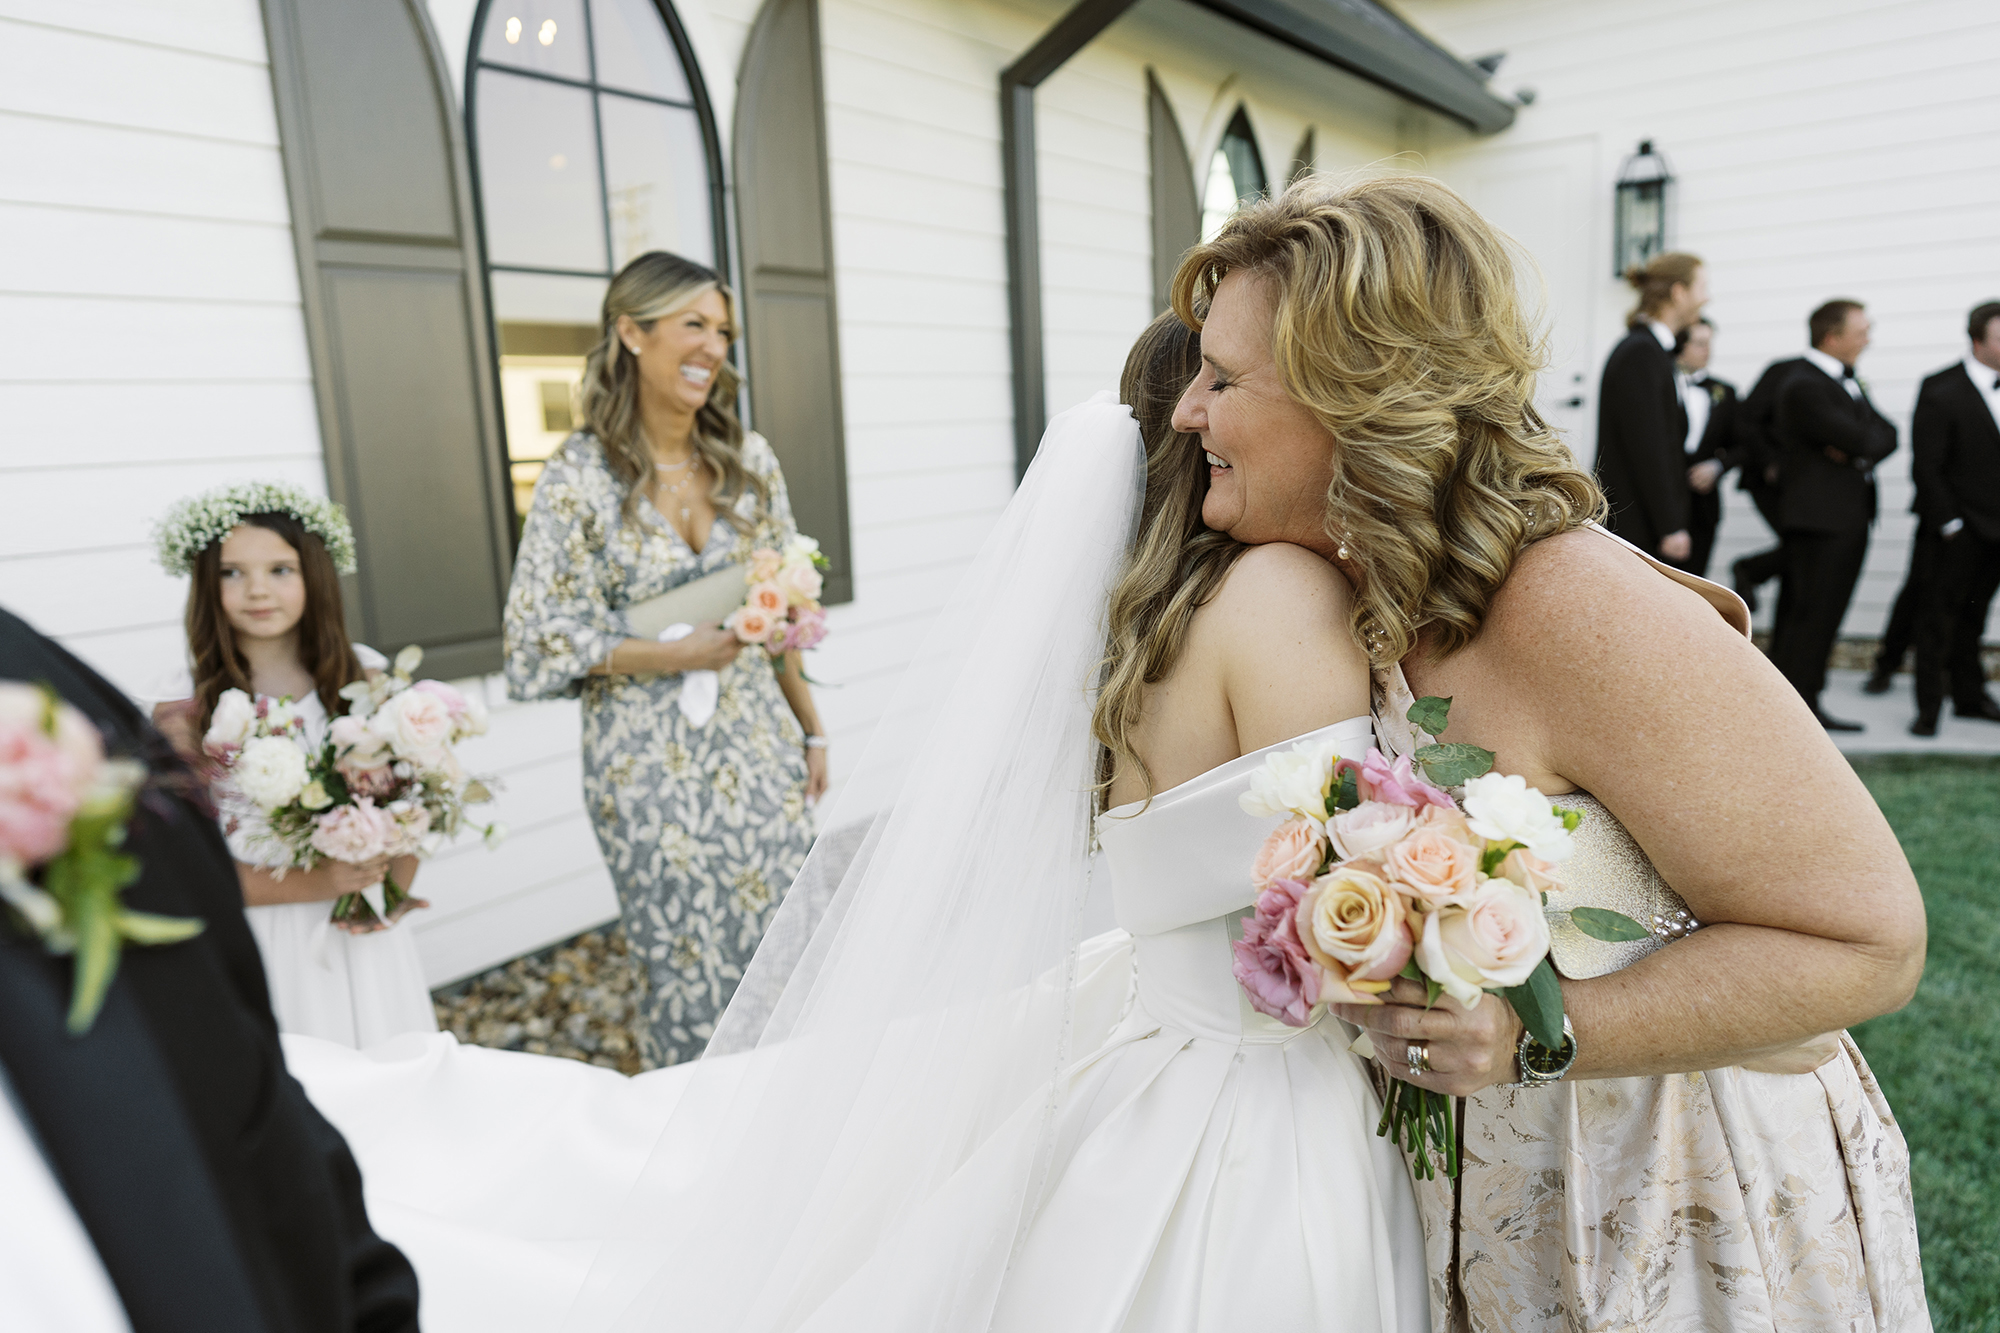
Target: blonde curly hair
point(1398, 325)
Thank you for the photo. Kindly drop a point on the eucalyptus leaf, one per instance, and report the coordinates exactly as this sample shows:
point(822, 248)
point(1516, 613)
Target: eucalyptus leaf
point(1453, 763)
point(1603, 924)
point(1539, 1002)
point(1430, 714)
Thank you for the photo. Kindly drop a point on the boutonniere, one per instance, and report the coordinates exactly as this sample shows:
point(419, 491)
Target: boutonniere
point(63, 810)
point(1715, 392)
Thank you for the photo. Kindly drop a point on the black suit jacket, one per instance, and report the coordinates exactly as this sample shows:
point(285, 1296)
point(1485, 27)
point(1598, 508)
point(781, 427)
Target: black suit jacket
point(216, 1196)
point(1822, 494)
point(1756, 451)
point(1956, 454)
point(1718, 444)
point(1641, 454)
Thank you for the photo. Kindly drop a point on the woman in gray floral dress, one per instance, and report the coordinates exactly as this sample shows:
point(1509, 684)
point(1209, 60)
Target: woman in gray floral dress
point(703, 824)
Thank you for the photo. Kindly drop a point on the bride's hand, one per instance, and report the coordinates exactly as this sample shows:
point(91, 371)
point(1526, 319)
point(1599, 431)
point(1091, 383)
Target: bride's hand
point(1469, 1051)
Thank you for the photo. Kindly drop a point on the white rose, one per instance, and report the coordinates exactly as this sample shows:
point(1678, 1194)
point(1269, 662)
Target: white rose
point(474, 722)
point(1502, 807)
point(271, 771)
point(234, 717)
point(1491, 942)
point(414, 722)
point(800, 547)
point(280, 715)
point(356, 746)
point(1292, 782)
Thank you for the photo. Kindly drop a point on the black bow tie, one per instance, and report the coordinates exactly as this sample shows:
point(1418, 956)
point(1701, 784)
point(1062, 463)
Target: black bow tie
point(1847, 372)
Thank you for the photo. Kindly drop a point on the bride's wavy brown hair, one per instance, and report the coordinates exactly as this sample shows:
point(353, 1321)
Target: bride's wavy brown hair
point(1176, 562)
point(1399, 326)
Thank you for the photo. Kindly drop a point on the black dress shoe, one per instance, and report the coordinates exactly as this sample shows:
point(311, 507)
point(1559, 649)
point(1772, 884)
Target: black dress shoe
point(1747, 591)
point(1835, 724)
point(1924, 726)
point(1986, 710)
point(1877, 683)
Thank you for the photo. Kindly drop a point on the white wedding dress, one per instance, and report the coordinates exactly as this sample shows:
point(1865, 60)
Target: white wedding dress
point(1214, 1169)
point(933, 1106)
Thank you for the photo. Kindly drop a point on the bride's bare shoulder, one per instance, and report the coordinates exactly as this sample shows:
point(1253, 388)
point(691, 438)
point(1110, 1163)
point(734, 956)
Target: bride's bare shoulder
point(1277, 575)
point(1276, 633)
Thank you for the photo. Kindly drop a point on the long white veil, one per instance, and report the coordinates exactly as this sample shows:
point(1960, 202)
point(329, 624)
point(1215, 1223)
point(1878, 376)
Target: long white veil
point(894, 1044)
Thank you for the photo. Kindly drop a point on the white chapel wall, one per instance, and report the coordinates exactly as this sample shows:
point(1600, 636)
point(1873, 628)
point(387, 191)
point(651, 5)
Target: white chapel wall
point(1822, 149)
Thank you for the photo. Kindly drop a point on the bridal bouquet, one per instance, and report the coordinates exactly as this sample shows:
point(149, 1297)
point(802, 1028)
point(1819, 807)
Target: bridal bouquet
point(63, 810)
point(1377, 873)
point(782, 610)
point(383, 783)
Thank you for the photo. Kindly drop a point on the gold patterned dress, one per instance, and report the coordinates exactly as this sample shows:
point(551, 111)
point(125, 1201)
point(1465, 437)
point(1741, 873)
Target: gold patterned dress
point(703, 826)
point(1680, 1203)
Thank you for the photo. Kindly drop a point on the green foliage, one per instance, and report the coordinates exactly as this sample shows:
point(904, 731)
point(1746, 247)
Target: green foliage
point(1490, 859)
point(1539, 1002)
point(1935, 1059)
point(1346, 793)
point(1430, 714)
point(1453, 763)
point(1603, 924)
point(1570, 818)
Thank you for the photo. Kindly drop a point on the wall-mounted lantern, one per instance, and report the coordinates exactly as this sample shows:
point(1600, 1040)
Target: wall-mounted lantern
point(1643, 184)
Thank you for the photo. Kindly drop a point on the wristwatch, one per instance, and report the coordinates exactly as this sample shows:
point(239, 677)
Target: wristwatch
point(1540, 1065)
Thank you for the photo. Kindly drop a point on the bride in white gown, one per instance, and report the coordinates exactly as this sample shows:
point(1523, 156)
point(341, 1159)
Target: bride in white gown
point(933, 1105)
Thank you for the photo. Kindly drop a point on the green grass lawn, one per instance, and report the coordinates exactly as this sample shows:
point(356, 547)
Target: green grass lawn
point(1938, 1059)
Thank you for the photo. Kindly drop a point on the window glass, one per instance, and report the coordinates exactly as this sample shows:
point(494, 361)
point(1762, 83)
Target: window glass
point(542, 35)
point(655, 180)
point(543, 201)
point(1235, 175)
point(547, 325)
point(634, 51)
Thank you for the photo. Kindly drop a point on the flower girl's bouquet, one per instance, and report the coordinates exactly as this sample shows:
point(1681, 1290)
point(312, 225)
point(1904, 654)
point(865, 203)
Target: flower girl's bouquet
point(782, 610)
point(1377, 873)
point(383, 783)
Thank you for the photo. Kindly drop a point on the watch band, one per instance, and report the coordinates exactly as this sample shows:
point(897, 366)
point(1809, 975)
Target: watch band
point(1537, 1065)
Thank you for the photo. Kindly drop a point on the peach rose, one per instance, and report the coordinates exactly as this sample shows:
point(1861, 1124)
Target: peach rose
point(764, 565)
point(768, 598)
point(751, 625)
point(1490, 942)
point(1293, 851)
point(1433, 865)
point(1370, 827)
point(1528, 870)
point(801, 582)
point(1355, 927)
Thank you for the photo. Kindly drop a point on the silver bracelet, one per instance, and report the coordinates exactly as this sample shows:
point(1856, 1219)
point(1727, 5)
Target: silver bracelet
point(815, 742)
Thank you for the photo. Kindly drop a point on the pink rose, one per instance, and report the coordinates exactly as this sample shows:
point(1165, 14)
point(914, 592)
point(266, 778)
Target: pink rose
point(41, 785)
point(1294, 850)
point(454, 702)
point(1370, 827)
point(808, 627)
point(1491, 942)
point(750, 624)
point(412, 723)
point(801, 583)
point(356, 833)
point(1397, 783)
point(764, 565)
point(1271, 964)
point(1433, 865)
point(1529, 871)
point(1354, 925)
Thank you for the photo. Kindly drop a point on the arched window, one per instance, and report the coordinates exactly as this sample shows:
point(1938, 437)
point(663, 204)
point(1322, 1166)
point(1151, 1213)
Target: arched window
point(593, 143)
point(1235, 174)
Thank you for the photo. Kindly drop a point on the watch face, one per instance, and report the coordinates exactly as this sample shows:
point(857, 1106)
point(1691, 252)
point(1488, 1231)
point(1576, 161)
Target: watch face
point(1539, 1059)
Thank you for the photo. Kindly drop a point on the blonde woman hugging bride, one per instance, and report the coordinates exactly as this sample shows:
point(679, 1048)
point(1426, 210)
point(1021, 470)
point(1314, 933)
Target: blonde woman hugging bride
point(948, 1111)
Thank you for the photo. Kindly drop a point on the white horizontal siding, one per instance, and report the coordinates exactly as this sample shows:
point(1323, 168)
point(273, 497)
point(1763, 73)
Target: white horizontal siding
point(1820, 149)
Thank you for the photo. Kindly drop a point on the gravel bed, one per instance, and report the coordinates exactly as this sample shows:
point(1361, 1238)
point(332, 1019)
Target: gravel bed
point(578, 1000)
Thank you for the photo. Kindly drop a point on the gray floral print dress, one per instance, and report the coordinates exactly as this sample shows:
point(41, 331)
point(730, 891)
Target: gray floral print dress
point(702, 827)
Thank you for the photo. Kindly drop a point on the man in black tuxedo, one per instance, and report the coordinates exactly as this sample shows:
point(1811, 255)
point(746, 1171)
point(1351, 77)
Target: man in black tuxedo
point(212, 1193)
point(1956, 439)
point(1830, 438)
point(1641, 429)
point(1710, 406)
point(1759, 477)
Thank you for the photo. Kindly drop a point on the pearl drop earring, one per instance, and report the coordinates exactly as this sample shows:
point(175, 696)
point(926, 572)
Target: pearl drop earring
point(1342, 552)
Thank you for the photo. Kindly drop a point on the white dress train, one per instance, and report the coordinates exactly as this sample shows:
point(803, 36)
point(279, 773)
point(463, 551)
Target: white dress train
point(1206, 1168)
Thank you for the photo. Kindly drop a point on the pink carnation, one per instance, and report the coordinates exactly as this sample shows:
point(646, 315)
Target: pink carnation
point(356, 833)
point(1271, 964)
point(43, 778)
point(808, 628)
point(1397, 783)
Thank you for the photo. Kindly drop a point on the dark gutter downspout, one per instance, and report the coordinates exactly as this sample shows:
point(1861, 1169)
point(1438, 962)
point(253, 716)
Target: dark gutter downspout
point(1018, 82)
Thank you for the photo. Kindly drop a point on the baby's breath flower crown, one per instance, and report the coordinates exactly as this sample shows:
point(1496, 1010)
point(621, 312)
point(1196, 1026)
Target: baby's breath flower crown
point(193, 523)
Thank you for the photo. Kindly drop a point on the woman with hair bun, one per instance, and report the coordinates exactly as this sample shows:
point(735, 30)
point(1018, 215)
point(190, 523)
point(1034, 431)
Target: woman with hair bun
point(703, 821)
point(1708, 1148)
point(1641, 425)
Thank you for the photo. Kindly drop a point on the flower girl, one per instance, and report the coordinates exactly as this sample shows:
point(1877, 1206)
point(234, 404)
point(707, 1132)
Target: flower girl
point(264, 617)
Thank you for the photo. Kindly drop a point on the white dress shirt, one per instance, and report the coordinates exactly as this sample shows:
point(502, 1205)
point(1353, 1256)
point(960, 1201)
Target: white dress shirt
point(1984, 378)
point(1663, 333)
point(51, 1279)
point(1837, 369)
point(1698, 402)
